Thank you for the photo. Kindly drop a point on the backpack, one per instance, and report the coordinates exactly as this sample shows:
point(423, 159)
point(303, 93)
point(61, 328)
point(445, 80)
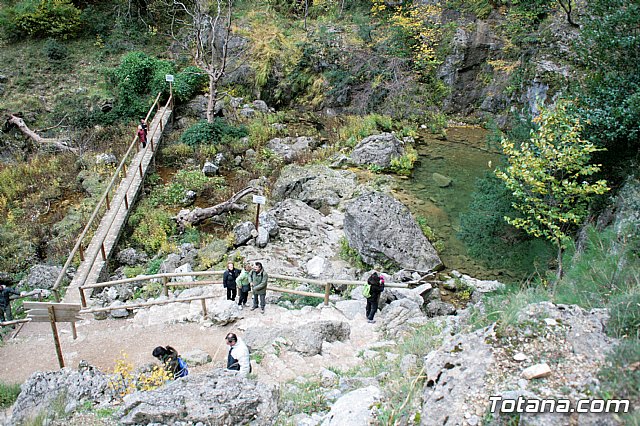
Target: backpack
point(366, 290)
point(183, 368)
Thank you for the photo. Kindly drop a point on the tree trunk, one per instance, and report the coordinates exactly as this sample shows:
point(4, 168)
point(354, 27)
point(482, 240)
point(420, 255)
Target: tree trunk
point(60, 144)
point(212, 98)
point(193, 217)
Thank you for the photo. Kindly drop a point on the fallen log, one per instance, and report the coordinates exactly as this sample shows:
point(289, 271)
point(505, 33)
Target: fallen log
point(198, 215)
point(22, 126)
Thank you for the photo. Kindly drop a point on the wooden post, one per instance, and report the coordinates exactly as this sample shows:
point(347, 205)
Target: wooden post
point(204, 308)
point(126, 201)
point(56, 295)
point(257, 217)
point(81, 253)
point(56, 339)
point(152, 148)
point(165, 287)
point(108, 205)
point(102, 250)
point(83, 300)
point(124, 170)
point(140, 169)
point(327, 290)
point(74, 332)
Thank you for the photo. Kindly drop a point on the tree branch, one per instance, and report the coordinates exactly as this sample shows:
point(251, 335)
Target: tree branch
point(193, 217)
point(58, 143)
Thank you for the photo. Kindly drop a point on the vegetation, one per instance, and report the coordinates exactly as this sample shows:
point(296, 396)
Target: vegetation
point(8, 394)
point(125, 380)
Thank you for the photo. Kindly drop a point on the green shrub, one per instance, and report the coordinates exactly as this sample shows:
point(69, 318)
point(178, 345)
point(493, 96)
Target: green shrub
point(154, 266)
point(351, 255)
point(8, 394)
point(204, 132)
point(51, 18)
point(133, 271)
point(624, 316)
point(175, 154)
point(188, 82)
point(618, 379)
point(55, 50)
point(152, 227)
point(404, 165)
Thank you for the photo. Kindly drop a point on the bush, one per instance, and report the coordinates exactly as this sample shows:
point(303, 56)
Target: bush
point(204, 132)
point(175, 154)
point(55, 50)
point(619, 379)
point(624, 316)
point(51, 18)
point(188, 82)
point(8, 394)
point(152, 226)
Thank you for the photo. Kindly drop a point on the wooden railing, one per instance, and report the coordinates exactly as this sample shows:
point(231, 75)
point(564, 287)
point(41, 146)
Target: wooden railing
point(166, 283)
point(119, 174)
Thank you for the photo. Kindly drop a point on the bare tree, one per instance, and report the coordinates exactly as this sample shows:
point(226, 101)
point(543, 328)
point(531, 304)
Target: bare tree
point(203, 28)
point(567, 6)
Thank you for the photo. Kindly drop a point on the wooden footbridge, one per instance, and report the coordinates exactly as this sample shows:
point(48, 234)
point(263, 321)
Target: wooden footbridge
point(99, 237)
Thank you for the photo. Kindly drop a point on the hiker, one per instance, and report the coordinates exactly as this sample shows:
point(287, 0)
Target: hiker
point(238, 358)
point(229, 281)
point(258, 280)
point(143, 124)
point(142, 137)
point(174, 365)
point(5, 300)
point(243, 282)
point(376, 283)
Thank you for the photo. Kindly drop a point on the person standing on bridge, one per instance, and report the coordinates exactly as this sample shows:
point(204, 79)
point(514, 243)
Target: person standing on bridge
point(143, 124)
point(229, 281)
point(258, 280)
point(243, 283)
point(142, 137)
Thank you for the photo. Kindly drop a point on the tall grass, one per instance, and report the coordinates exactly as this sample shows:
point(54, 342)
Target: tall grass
point(8, 394)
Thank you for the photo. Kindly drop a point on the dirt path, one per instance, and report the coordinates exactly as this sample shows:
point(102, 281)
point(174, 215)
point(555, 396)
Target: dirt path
point(102, 343)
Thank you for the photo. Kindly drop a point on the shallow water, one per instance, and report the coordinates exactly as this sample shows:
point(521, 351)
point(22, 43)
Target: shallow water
point(464, 156)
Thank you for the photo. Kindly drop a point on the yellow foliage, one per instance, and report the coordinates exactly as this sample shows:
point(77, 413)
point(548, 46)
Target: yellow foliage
point(504, 66)
point(126, 381)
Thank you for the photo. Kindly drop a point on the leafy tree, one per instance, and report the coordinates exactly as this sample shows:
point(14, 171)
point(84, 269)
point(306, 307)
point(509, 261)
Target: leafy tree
point(51, 18)
point(547, 177)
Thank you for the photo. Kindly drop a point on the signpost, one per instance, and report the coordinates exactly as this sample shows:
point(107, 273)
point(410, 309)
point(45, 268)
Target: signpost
point(169, 78)
point(53, 313)
point(259, 199)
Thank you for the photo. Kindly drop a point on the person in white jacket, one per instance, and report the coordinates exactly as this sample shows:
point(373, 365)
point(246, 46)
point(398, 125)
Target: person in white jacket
point(238, 358)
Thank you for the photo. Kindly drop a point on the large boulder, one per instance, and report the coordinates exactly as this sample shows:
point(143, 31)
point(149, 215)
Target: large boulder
point(316, 185)
point(243, 232)
point(40, 391)
point(223, 312)
point(216, 397)
point(355, 408)
point(295, 214)
point(381, 228)
point(40, 276)
point(378, 149)
point(306, 339)
point(131, 257)
point(290, 148)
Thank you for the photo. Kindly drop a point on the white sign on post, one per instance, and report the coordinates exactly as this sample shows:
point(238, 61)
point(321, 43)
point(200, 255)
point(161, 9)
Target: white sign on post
point(169, 78)
point(259, 199)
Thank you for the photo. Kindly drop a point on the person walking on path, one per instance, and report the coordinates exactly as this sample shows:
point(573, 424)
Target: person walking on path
point(243, 283)
point(5, 300)
point(258, 280)
point(238, 358)
point(229, 281)
point(142, 137)
point(376, 282)
point(143, 124)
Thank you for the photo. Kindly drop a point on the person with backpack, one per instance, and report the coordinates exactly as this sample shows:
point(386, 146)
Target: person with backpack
point(243, 283)
point(143, 124)
point(229, 281)
point(258, 280)
point(238, 358)
point(174, 365)
point(5, 298)
point(376, 287)
point(142, 137)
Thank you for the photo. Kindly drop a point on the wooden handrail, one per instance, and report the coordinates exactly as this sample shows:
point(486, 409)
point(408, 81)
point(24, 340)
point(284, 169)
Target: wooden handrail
point(116, 173)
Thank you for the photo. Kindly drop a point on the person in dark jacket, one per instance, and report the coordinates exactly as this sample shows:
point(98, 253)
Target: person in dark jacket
point(229, 281)
point(142, 137)
point(174, 365)
point(377, 287)
point(5, 301)
point(243, 282)
point(258, 280)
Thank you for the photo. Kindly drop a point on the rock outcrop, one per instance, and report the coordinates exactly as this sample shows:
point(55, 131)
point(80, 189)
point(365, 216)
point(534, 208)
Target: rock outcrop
point(378, 149)
point(290, 148)
point(217, 397)
point(381, 228)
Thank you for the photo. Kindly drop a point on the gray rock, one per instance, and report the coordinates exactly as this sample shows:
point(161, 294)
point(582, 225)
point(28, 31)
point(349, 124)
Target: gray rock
point(260, 106)
point(351, 308)
point(395, 316)
point(243, 233)
point(438, 308)
point(197, 107)
point(409, 364)
point(356, 408)
point(290, 148)
point(269, 222)
point(210, 169)
point(170, 264)
point(131, 257)
point(41, 276)
point(316, 185)
point(247, 112)
point(216, 397)
point(222, 312)
point(381, 228)
point(3, 78)
point(441, 180)
point(306, 339)
point(295, 214)
point(118, 313)
point(453, 372)
point(315, 266)
point(106, 159)
point(189, 198)
point(328, 378)
point(74, 387)
point(378, 149)
point(196, 357)
point(536, 371)
point(263, 237)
